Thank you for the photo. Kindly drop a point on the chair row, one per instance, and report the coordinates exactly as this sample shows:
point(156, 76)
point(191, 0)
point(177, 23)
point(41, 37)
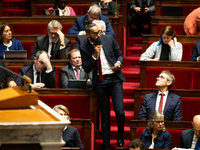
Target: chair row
point(186, 73)
point(175, 128)
point(190, 100)
point(188, 43)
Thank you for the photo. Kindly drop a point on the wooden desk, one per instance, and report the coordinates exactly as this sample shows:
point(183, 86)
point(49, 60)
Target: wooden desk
point(165, 20)
point(158, 3)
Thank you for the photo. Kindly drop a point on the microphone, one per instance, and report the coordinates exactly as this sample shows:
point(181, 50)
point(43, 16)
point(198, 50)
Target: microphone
point(27, 80)
point(98, 43)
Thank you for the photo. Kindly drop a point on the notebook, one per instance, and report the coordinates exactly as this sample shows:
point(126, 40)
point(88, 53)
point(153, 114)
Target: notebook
point(16, 54)
point(51, 12)
point(77, 84)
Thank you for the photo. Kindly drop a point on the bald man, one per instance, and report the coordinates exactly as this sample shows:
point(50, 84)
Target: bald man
point(189, 138)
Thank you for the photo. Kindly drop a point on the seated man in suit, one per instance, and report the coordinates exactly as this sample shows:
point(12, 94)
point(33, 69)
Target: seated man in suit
point(70, 134)
point(196, 52)
point(109, 5)
point(54, 43)
point(165, 101)
point(136, 144)
point(74, 70)
point(81, 38)
point(94, 13)
point(190, 138)
point(41, 72)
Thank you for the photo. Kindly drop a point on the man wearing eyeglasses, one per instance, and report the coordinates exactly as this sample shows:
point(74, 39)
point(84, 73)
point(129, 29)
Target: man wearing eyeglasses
point(81, 38)
point(165, 101)
point(102, 55)
point(41, 72)
point(94, 13)
point(54, 43)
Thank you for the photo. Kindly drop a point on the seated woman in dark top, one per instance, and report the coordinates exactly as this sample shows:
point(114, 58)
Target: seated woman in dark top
point(70, 134)
point(6, 41)
point(167, 48)
point(156, 136)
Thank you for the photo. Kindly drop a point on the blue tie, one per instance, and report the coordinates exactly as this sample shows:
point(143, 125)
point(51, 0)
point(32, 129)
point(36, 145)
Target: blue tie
point(197, 147)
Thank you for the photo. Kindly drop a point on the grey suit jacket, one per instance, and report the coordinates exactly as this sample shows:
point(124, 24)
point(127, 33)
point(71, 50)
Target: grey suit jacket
point(42, 43)
point(186, 138)
point(67, 73)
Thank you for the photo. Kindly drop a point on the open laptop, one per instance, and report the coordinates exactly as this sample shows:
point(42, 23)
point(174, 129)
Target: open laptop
point(16, 54)
point(51, 12)
point(77, 84)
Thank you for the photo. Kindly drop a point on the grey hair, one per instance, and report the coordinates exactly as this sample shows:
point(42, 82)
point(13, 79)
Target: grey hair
point(100, 23)
point(55, 24)
point(94, 9)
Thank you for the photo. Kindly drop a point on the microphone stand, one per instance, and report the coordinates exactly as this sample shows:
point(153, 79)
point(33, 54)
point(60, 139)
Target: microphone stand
point(26, 83)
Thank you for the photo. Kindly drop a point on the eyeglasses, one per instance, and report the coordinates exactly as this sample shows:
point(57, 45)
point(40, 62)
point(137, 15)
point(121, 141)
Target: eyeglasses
point(158, 122)
point(160, 77)
point(92, 18)
point(53, 33)
point(97, 33)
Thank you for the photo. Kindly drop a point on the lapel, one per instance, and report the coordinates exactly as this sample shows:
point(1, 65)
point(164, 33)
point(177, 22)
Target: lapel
point(46, 44)
point(168, 101)
point(43, 75)
point(82, 73)
point(153, 102)
point(30, 73)
point(148, 3)
point(71, 71)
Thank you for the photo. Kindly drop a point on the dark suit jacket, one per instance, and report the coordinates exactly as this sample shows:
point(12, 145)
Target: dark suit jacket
point(186, 138)
point(163, 140)
point(172, 110)
point(196, 52)
point(67, 73)
point(42, 43)
point(79, 25)
point(111, 7)
point(150, 4)
point(4, 74)
point(111, 50)
point(72, 138)
point(79, 40)
point(49, 79)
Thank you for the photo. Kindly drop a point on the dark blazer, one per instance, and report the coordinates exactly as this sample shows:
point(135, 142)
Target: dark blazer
point(4, 74)
point(79, 25)
point(186, 138)
point(49, 79)
point(112, 51)
point(196, 52)
point(42, 43)
point(111, 7)
point(79, 40)
point(67, 73)
point(150, 4)
point(172, 110)
point(163, 140)
point(72, 138)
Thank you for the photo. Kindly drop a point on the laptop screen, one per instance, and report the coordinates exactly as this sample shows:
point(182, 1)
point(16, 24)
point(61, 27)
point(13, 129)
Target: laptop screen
point(77, 84)
point(16, 54)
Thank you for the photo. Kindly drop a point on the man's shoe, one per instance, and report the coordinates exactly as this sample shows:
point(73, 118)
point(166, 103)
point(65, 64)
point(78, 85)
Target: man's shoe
point(120, 142)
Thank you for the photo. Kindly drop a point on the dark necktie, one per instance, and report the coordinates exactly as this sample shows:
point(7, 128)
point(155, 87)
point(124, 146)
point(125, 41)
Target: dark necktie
point(161, 103)
point(52, 48)
point(38, 77)
point(197, 147)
